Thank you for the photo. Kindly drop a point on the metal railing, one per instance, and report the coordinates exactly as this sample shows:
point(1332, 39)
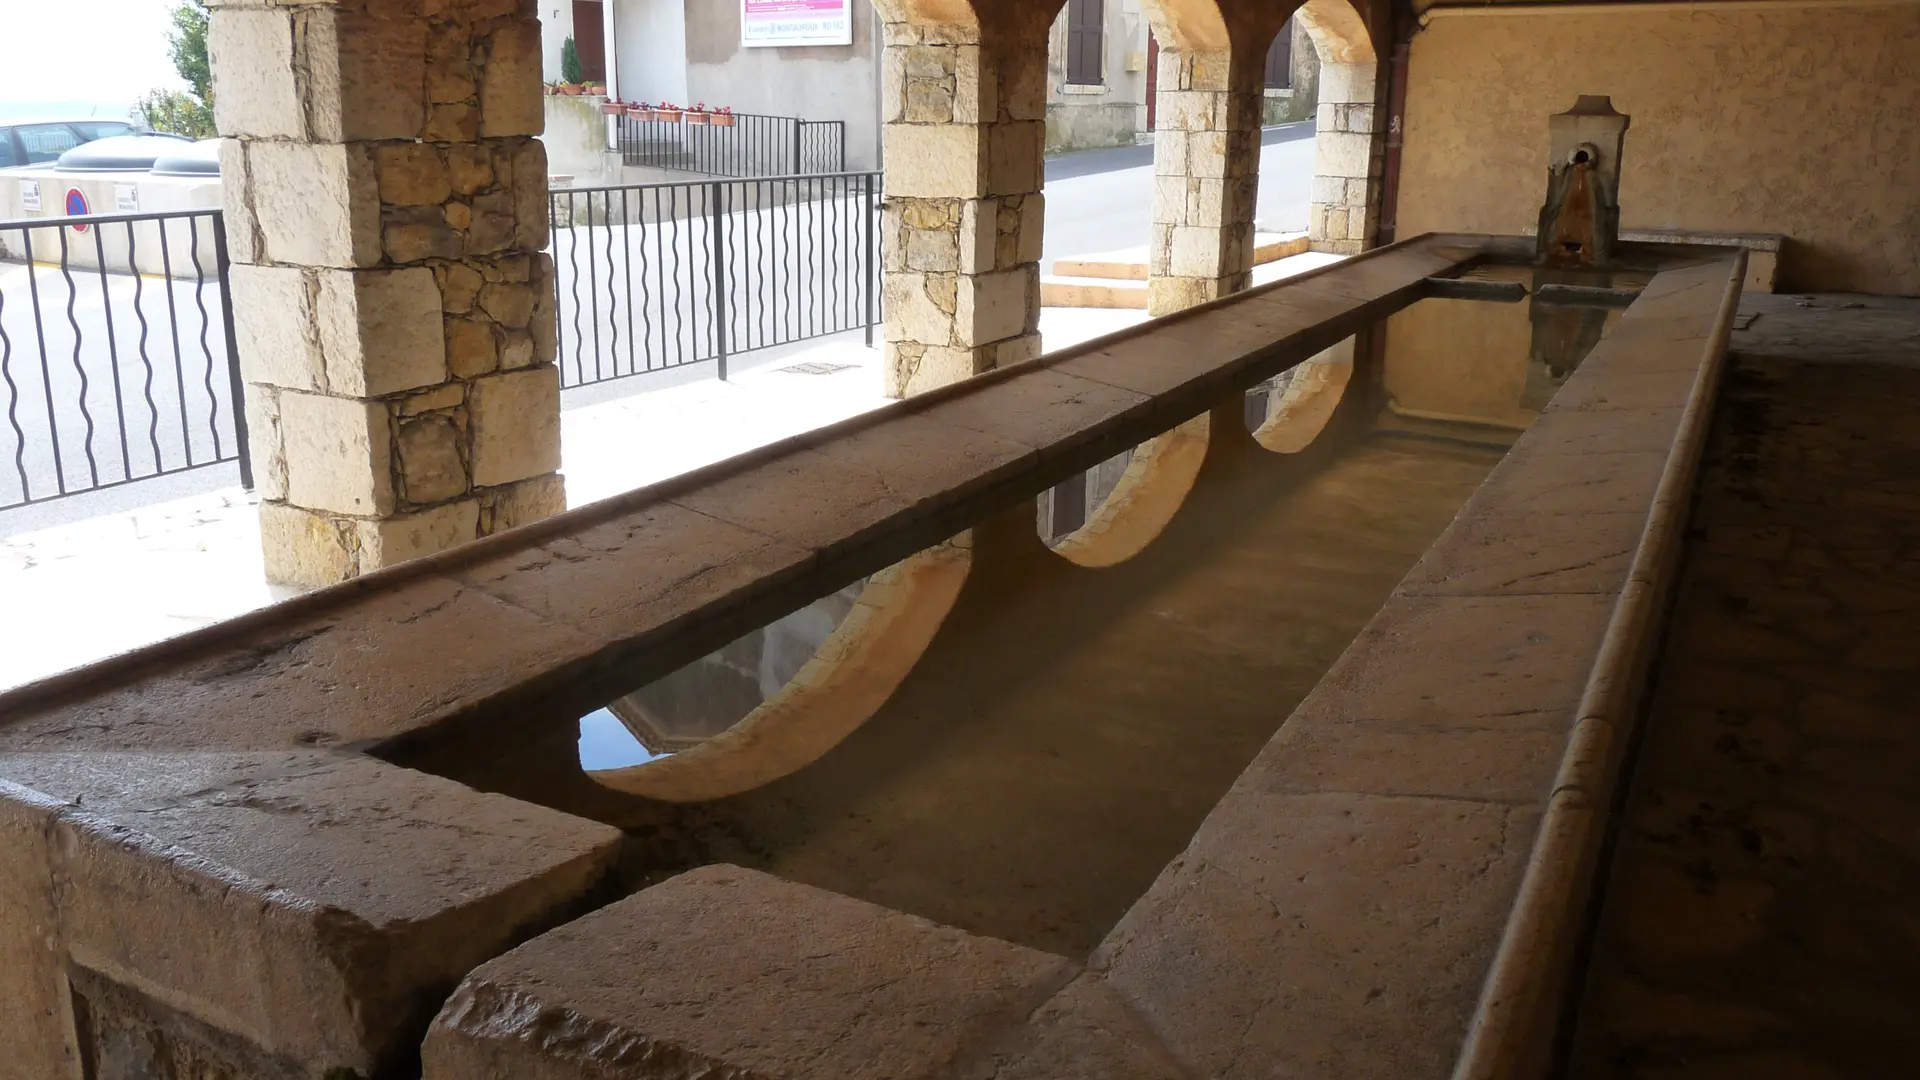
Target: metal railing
point(117, 361)
point(657, 276)
point(752, 145)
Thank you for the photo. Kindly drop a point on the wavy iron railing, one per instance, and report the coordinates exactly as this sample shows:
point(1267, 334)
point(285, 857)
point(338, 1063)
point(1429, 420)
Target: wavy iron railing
point(659, 276)
point(68, 302)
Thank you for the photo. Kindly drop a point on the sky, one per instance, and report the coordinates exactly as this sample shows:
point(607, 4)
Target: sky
point(104, 52)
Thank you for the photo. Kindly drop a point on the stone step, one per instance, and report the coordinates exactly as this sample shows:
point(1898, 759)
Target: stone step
point(1131, 264)
point(1120, 267)
point(1272, 247)
point(1061, 290)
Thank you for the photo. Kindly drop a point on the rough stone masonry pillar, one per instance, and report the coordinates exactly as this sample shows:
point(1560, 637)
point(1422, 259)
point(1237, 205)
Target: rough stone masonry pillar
point(1207, 174)
point(1344, 167)
point(386, 207)
point(965, 133)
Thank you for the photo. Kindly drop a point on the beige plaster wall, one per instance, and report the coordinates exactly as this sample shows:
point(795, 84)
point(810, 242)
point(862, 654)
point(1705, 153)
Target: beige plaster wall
point(1460, 359)
point(1796, 121)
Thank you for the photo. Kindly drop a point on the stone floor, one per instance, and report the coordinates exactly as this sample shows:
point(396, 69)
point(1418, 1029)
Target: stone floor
point(81, 591)
point(1762, 917)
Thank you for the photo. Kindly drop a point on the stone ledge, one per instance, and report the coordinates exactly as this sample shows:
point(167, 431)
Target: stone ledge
point(315, 906)
point(725, 971)
point(1389, 889)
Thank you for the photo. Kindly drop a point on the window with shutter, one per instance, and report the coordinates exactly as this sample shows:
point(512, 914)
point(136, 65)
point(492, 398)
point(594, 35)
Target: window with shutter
point(1280, 59)
point(1086, 36)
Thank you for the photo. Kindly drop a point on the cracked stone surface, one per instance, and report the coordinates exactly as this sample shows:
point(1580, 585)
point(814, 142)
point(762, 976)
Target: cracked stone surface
point(1761, 916)
point(740, 973)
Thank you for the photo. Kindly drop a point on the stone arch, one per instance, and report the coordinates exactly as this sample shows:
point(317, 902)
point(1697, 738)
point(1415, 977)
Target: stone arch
point(848, 678)
point(1347, 156)
point(1192, 26)
point(1337, 31)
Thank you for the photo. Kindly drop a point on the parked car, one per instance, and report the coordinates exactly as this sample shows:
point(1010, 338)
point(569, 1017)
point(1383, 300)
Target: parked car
point(45, 140)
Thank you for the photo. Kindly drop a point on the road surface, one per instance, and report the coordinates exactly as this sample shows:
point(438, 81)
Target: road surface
point(1102, 200)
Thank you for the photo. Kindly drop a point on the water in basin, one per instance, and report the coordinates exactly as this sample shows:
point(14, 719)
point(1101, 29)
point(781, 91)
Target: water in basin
point(1068, 729)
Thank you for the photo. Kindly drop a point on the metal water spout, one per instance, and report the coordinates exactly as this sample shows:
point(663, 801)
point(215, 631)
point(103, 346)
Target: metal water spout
point(1580, 221)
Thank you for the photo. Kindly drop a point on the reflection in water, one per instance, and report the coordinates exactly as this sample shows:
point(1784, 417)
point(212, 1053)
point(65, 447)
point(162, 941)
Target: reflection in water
point(1494, 364)
point(606, 743)
point(1265, 396)
point(713, 693)
point(1072, 503)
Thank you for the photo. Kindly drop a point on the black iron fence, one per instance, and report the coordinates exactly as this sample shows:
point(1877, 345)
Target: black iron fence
point(662, 275)
point(743, 145)
point(117, 360)
point(116, 352)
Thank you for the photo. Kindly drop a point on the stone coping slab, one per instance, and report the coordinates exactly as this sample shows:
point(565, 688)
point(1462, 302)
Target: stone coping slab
point(1389, 890)
point(309, 906)
point(730, 972)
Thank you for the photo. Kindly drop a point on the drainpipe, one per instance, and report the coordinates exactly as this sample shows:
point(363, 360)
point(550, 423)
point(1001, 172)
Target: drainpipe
point(1405, 24)
point(879, 88)
point(610, 50)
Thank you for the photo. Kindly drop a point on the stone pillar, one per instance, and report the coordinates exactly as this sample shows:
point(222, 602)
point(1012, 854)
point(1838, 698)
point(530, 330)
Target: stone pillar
point(1206, 160)
point(965, 129)
point(1345, 169)
point(386, 209)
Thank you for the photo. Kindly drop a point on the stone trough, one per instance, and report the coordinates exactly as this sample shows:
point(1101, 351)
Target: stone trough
point(212, 858)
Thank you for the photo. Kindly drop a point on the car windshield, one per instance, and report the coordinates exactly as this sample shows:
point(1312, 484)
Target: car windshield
point(102, 129)
point(45, 142)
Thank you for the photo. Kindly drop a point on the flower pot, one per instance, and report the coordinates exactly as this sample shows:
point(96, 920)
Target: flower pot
point(723, 119)
point(612, 108)
point(698, 117)
point(639, 113)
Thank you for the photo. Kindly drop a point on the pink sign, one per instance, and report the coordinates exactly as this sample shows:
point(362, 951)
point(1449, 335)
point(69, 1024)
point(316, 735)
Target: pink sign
point(765, 23)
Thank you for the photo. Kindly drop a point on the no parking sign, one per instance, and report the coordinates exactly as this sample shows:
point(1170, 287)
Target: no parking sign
point(77, 207)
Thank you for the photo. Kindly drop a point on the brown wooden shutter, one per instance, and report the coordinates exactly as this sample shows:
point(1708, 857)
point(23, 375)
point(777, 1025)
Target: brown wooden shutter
point(1280, 58)
point(590, 37)
point(1086, 35)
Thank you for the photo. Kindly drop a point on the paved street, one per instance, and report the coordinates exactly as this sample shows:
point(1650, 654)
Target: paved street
point(1102, 200)
point(141, 388)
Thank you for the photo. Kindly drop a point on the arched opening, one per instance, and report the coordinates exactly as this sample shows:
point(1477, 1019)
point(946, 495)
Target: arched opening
point(1345, 197)
point(777, 699)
